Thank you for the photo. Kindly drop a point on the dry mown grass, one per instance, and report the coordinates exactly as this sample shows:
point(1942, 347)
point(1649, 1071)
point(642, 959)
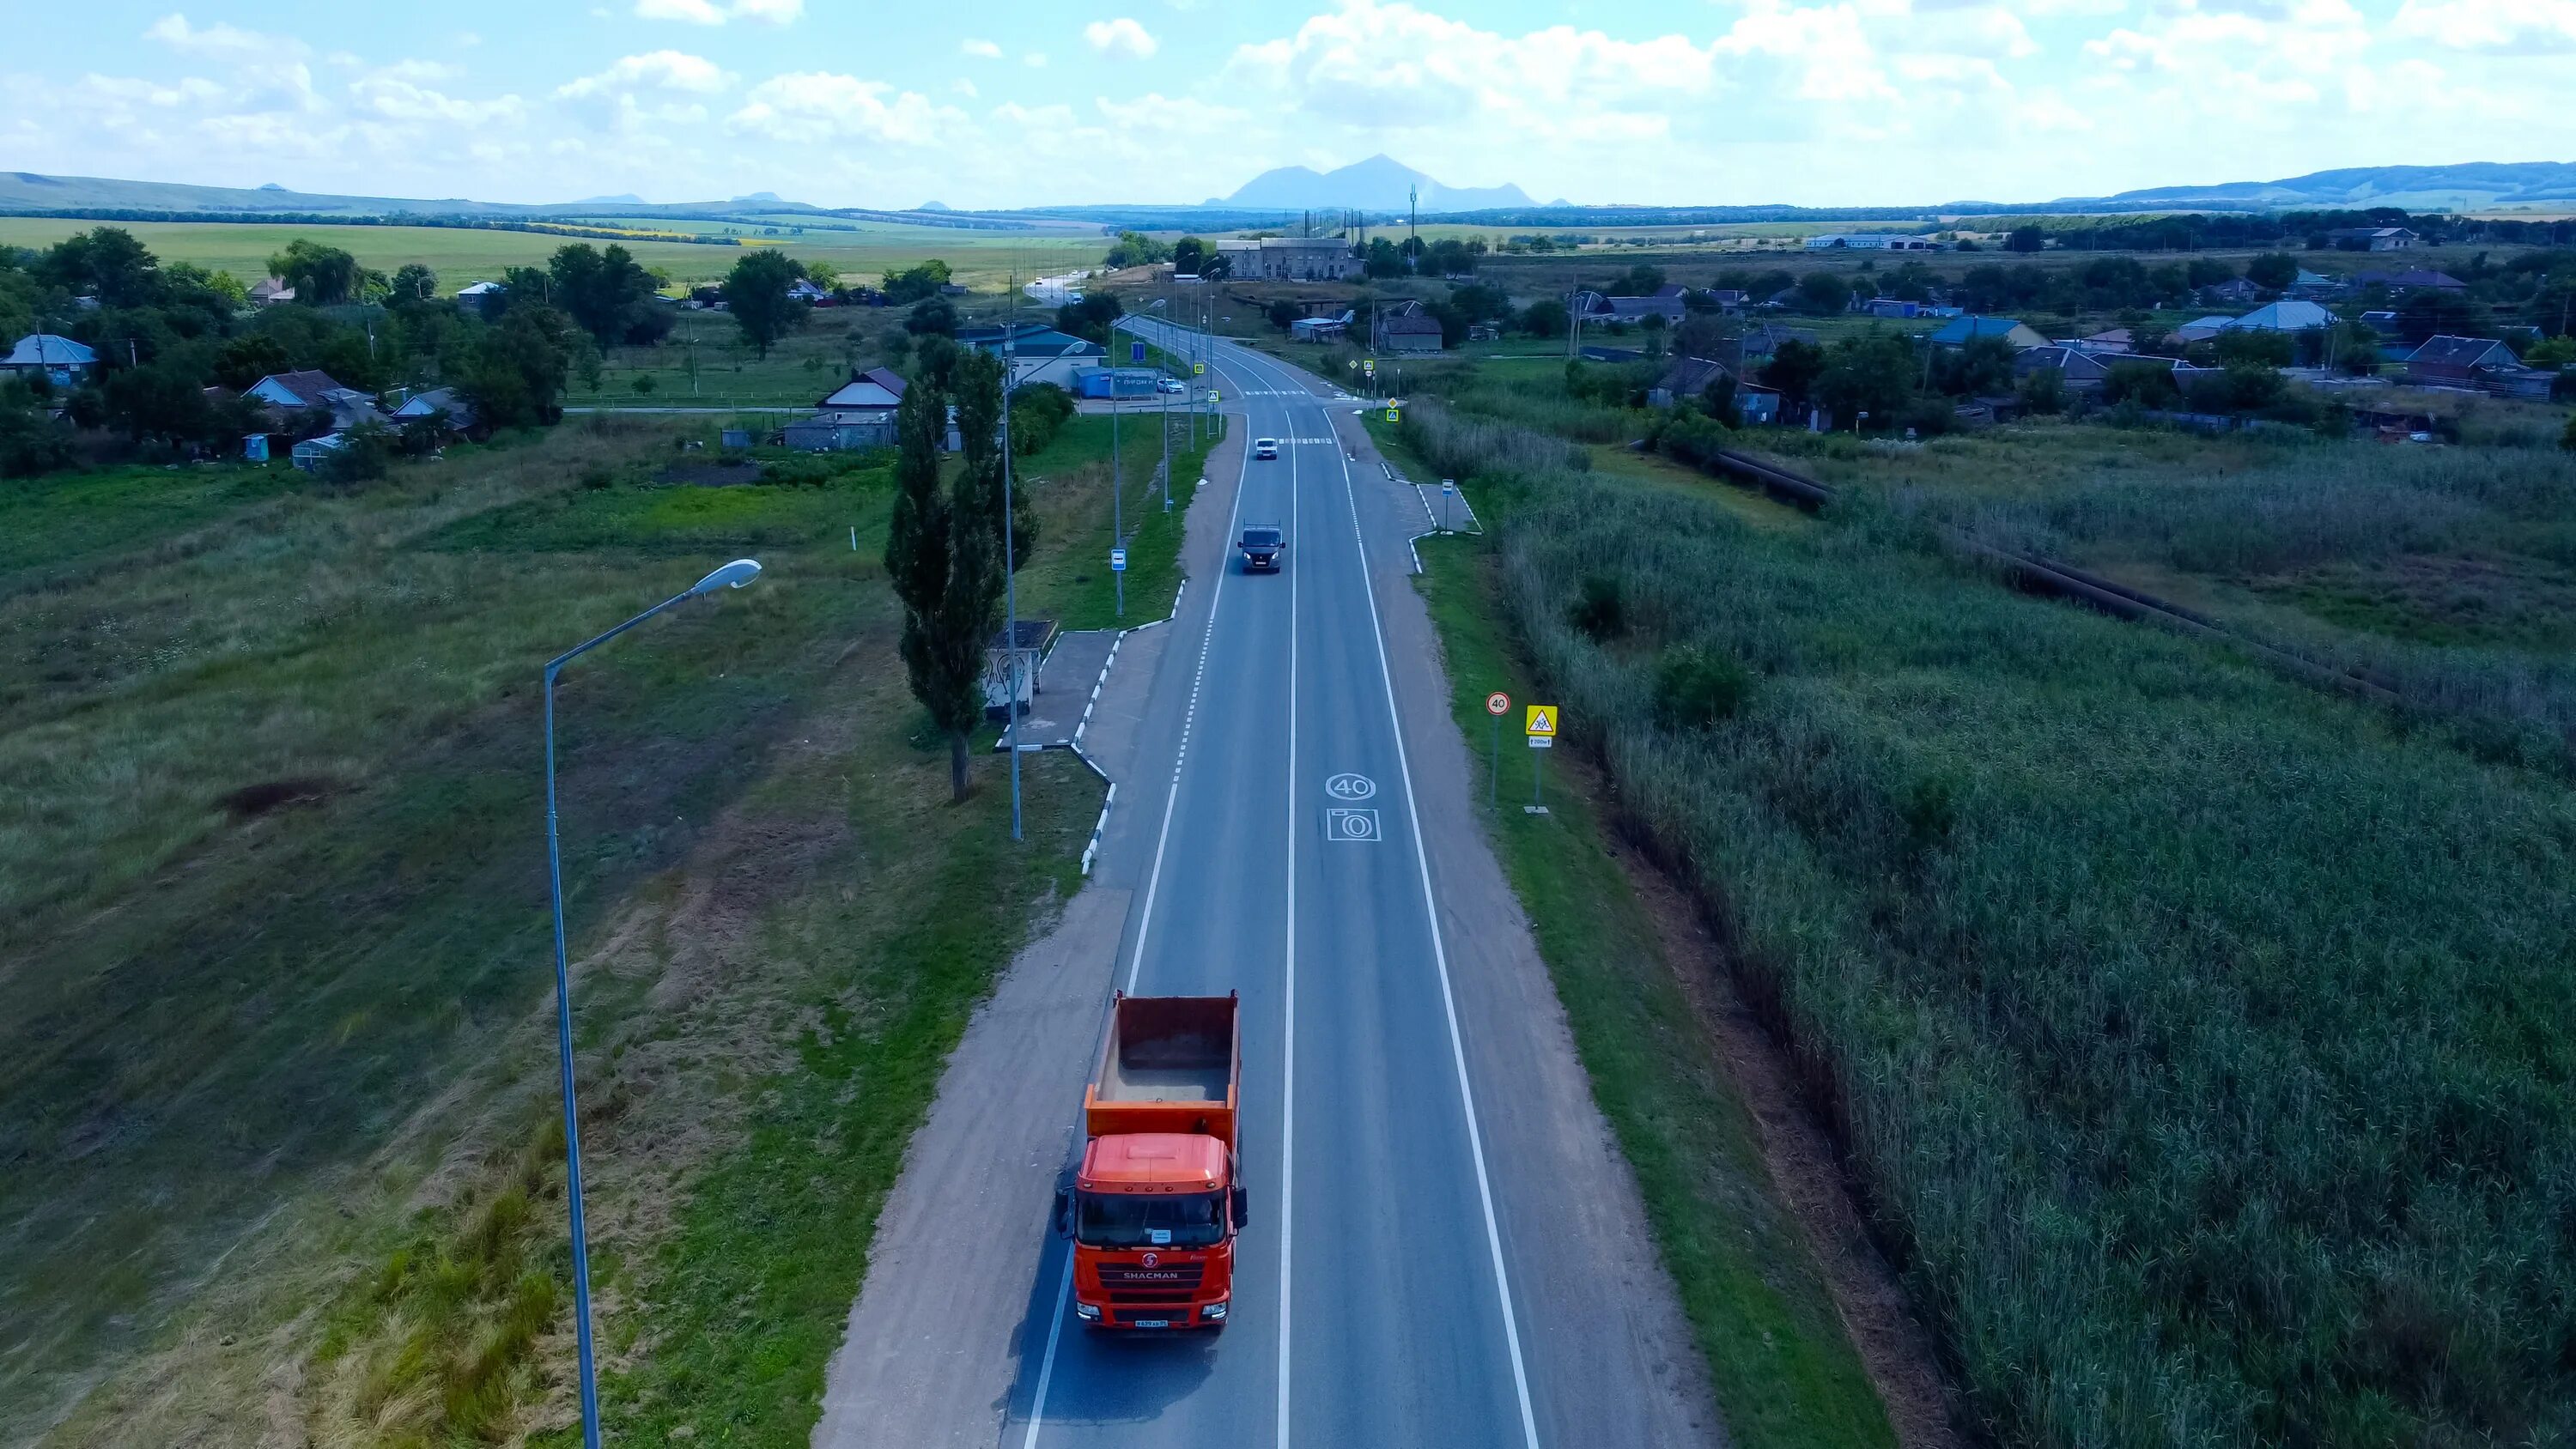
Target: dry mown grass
point(277, 1104)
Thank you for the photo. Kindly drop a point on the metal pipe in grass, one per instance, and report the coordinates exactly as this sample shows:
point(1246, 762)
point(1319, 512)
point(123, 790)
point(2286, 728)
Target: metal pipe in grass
point(733, 575)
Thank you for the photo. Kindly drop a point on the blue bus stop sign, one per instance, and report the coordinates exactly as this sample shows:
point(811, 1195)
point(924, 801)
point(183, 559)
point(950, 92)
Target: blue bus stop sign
point(1135, 352)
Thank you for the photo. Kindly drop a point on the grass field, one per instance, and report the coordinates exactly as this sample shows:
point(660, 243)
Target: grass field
point(278, 1068)
point(982, 260)
point(2201, 1039)
point(1071, 582)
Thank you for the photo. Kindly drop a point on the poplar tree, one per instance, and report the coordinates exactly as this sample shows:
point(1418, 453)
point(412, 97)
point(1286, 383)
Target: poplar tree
point(944, 554)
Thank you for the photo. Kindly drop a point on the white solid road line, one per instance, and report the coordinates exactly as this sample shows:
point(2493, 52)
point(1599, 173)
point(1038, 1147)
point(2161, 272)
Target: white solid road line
point(1288, 1072)
point(1440, 955)
point(1136, 961)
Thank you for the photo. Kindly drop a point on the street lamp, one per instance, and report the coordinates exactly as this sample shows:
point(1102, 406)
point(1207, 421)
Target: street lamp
point(733, 575)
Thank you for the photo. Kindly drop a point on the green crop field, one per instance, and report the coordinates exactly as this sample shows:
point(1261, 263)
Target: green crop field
point(2200, 1038)
point(276, 1080)
point(982, 260)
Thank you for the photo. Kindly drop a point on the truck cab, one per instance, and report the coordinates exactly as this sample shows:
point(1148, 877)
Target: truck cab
point(1156, 1201)
point(1263, 546)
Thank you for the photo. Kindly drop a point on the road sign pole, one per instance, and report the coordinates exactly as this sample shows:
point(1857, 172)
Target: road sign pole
point(1538, 802)
point(1494, 781)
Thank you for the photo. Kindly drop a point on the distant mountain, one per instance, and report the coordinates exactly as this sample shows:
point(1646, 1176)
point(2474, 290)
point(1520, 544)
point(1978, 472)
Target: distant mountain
point(623, 198)
point(1377, 184)
point(2474, 185)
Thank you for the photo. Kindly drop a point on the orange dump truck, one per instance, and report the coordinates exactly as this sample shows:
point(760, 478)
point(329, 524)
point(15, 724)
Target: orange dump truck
point(1154, 1207)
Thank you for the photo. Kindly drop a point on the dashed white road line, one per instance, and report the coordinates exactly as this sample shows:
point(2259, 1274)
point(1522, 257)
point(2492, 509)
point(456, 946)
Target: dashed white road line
point(1136, 961)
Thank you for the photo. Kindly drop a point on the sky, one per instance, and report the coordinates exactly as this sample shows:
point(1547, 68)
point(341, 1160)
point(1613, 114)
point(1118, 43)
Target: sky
point(1058, 102)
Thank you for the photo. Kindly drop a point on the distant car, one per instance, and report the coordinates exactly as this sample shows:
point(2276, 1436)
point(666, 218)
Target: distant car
point(1265, 449)
point(1263, 545)
point(1171, 384)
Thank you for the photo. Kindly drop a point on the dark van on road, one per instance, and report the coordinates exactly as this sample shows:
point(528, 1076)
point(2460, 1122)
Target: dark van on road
point(1263, 545)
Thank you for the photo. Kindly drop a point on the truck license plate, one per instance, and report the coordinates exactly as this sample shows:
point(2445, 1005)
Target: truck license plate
point(1153, 1323)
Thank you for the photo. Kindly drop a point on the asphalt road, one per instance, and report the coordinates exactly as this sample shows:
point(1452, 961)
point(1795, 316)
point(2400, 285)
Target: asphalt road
point(1377, 1302)
point(1445, 1247)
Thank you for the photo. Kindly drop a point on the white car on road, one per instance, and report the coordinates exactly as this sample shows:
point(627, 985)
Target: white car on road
point(1265, 449)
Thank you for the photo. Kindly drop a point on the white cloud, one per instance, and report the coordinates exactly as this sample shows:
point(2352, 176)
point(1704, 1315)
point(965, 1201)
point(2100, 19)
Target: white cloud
point(669, 70)
point(222, 42)
point(707, 12)
point(1121, 36)
point(813, 106)
point(964, 87)
point(980, 49)
point(2506, 27)
point(695, 12)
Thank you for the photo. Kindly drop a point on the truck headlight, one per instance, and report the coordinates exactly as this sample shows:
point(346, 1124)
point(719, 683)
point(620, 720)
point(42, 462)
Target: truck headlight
point(1087, 1312)
point(1213, 1313)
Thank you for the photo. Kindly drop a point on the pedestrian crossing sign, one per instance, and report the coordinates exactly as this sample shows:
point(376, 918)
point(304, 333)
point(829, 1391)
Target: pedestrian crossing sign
point(1393, 416)
point(1542, 722)
point(1198, 369)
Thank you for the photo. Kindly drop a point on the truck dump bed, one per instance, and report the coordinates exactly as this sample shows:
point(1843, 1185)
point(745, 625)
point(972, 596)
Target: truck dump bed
point(1171, 1064)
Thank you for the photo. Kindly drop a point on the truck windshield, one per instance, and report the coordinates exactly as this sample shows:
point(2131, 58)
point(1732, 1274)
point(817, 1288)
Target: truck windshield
point(1261, 538)
point(1150, 1220)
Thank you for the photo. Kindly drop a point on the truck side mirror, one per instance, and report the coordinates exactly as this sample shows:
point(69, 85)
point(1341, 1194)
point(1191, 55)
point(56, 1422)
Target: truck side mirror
point(1063, 1213)
point(1242, 1205)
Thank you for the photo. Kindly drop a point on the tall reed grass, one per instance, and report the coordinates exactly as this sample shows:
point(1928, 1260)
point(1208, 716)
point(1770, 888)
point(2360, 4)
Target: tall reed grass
point(2202, 1041)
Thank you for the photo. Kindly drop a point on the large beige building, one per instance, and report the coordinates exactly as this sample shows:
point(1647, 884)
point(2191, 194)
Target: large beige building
point(1290, 258)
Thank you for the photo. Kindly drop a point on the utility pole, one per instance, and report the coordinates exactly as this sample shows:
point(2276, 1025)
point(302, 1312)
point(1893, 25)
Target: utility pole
point(1117, 493)
point(1166, 421)
point(1010, 564)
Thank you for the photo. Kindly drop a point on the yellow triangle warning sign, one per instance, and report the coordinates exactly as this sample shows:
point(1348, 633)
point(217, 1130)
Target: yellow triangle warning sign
point(1542, 719)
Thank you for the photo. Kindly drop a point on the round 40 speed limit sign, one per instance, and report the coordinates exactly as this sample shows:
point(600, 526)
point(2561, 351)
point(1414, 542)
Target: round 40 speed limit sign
point(1498, 704)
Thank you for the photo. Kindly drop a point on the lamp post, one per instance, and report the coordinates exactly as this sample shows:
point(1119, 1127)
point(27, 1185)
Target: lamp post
point(733, 575)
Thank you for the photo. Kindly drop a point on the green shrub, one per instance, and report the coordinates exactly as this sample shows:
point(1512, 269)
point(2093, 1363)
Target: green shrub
point(1038, 412)
point(1696, 687)
point(367, 452)
point(1601, 612)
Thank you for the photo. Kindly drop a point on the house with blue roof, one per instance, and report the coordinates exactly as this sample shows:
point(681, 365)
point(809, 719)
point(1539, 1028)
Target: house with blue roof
point(61, 361)
point(1960, 331)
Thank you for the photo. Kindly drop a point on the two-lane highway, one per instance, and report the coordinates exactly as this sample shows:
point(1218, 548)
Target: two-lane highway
point(1372, 1304)
point(1445, 1247)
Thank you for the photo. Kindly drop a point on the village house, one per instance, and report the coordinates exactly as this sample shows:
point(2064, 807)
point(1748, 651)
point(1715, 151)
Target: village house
point(2291, 315)
point(1408, 330)
point(2456, 361)
point(1666, 302)
point(59, 360)
point(2412, 280)
point(269, 291)
point(1747, 352)
point(2084, 372)
point(437, 401)
point(1960, 331)
point(2371, 238)
point(293, 395)
point(857, 414)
